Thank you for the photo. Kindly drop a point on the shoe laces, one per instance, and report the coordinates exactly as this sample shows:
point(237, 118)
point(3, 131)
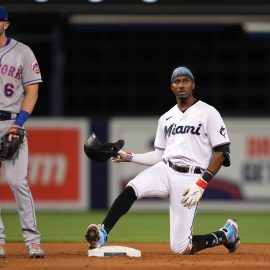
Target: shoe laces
point(34, 246)
point(230, 232)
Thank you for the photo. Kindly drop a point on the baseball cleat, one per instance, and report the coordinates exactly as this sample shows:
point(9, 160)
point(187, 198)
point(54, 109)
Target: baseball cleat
point(35, 251)
point(2, 251)
point(231, 231)
point(96, 236)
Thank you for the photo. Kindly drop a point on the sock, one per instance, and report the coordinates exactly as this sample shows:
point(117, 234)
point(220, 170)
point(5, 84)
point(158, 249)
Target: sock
point(120, 207)
point(200, 242)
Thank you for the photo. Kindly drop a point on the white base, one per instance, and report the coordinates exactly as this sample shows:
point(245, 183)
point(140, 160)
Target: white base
point(112, 251)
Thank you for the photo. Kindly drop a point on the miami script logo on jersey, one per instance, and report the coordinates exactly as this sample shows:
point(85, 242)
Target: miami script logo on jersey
point(173, 129)
point(35, 67)
point(222, 131)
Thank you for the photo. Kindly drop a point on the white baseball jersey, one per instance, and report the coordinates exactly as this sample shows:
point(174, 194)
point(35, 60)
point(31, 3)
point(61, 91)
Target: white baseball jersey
point(18, 68)
point(189, 137)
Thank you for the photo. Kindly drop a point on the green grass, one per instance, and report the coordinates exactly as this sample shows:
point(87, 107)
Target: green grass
point(135, 227)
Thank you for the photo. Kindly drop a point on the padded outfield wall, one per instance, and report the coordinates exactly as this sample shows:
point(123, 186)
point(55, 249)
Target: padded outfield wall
point(61, 177)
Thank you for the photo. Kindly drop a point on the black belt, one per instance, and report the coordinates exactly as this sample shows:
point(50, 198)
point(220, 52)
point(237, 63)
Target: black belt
point(184, 169)
point(4, 115)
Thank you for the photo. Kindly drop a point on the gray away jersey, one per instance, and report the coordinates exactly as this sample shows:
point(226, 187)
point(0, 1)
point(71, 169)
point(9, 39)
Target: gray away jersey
point(18, 68)
point(189, 138)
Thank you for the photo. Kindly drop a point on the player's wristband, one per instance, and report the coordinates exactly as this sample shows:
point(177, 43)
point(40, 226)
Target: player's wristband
point(21, 118)
point(129, 156)
point(207, 176)
point(202, 184)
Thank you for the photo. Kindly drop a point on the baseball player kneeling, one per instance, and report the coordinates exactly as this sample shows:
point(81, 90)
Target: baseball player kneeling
point(191, 145)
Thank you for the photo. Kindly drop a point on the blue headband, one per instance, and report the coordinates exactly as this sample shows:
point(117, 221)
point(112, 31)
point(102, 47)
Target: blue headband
point(182, 71)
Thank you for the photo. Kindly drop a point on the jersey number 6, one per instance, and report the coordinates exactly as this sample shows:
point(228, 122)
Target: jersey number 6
point(9, 89)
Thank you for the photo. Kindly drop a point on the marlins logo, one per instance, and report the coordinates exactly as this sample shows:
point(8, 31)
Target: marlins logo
point(222, 131)
point(35, 67)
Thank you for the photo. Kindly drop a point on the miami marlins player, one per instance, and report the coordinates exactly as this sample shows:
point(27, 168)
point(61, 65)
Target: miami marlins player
point(191, 145)
point(19, 80)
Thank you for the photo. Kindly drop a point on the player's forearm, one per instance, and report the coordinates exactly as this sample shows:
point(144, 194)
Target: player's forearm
point(30, 98)
point(28, 104)
point(216, 162)
point(149, 158)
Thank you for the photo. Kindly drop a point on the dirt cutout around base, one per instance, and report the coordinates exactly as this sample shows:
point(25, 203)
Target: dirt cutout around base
point(154, 256)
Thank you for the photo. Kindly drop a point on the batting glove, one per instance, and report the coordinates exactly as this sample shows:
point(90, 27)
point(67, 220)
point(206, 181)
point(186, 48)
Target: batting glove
point(122, 156)
point(193, 194)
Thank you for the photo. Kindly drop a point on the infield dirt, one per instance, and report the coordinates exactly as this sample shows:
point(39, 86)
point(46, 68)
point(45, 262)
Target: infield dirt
point(154, 256)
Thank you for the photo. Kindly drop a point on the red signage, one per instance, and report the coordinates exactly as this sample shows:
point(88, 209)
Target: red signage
point(55, 165)
point(258, 146)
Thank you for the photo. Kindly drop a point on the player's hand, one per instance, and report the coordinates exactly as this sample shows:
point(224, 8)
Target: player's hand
point(12, 132)
point(121, 157)
point(192, 195)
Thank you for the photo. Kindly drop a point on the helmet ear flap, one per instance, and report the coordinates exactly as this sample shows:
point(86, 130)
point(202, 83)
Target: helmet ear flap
point(113, 148)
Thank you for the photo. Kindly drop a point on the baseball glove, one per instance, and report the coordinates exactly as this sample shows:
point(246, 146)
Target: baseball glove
point(99, 151)
point(9, 149)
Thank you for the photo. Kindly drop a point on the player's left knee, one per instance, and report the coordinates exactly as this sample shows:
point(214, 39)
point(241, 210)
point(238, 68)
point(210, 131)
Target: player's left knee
point(181, 249)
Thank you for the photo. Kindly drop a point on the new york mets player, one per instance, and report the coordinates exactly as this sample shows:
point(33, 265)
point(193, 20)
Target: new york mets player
point(19, 80)
point(191, 145)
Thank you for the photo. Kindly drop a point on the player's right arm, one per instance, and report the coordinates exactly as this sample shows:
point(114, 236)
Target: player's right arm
point(148, 158)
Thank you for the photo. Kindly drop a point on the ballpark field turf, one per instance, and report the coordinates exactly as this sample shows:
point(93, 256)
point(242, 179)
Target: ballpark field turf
point(135, 227)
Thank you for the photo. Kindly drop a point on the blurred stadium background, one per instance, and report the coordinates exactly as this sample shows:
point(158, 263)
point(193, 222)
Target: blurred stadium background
point(106, 67)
